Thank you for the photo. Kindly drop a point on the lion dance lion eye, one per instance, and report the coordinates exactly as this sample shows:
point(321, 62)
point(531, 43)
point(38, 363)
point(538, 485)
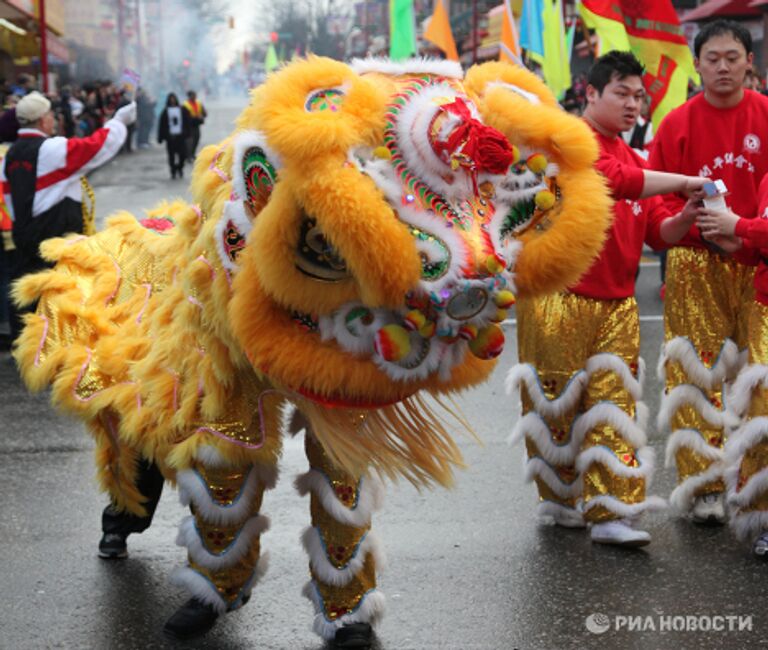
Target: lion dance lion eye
point(259, 176)
point(315, 257)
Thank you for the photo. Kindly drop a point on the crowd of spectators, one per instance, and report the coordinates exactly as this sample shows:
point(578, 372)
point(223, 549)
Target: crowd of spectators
point(79, 109)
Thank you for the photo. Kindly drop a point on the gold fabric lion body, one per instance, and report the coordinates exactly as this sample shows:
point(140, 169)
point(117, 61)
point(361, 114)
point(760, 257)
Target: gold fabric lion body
point(351, 249)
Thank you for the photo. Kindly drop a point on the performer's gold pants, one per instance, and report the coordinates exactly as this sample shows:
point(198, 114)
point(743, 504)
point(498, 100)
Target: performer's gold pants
point(708, 298)
point(584, 427)
point(223, 536)
point(746, 451)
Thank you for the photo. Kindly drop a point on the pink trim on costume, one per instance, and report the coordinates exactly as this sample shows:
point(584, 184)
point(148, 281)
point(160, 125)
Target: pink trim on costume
point(92, 395)
point(80, 376)
point(148, 287)
point(210, 266)
point(196, 209)
point(240, 443)
point(195, 301)
point(117, 284)
point(42, 341)
point(175, 387)
point(214, 168)
point(76, 239)
point(229, 277)
point(224, 436)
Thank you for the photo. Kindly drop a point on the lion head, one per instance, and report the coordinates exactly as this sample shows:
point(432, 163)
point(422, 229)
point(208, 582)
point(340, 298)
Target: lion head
point(378, 220)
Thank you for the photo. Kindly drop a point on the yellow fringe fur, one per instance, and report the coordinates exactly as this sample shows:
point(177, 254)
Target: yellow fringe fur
point(160, 349)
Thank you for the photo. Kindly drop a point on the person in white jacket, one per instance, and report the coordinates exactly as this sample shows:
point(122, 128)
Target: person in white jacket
point(41, 180)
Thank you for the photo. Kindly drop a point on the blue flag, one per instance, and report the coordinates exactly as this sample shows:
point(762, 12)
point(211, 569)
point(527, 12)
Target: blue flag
point(532, 27)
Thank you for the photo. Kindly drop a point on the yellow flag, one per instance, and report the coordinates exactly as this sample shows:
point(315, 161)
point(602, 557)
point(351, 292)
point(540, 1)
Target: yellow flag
point(557, 64)
point(439, 31)
point(510, 43)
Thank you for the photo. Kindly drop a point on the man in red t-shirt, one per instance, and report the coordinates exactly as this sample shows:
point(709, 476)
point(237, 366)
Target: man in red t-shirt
point(580, 371)
point(721, 133)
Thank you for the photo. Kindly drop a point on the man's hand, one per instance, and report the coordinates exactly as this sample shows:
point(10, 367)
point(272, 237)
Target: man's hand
point(693, 185)
point(127, 114)
point(691, 211)
point(716, 223)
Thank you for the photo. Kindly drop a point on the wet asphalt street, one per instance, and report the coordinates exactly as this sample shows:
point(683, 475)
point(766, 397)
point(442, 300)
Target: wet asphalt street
point(468, 568)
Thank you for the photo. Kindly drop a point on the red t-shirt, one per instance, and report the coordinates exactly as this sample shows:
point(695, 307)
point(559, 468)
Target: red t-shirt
point(698, 139)
point(754, 232)
point(612, 275)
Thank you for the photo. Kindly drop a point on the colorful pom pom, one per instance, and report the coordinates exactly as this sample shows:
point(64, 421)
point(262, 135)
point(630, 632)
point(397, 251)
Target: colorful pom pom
point(494, 265)
point(545, 200)
point(515, 155)
point(382, 152)
point(414, 320)
point(392, 343)
point(489, 342)
point(428, 329)
point(500, 316)
point(504, 299)
point(537, 163)
point(468, 332)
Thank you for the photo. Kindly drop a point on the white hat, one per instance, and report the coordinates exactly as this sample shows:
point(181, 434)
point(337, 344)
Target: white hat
point(32, 107)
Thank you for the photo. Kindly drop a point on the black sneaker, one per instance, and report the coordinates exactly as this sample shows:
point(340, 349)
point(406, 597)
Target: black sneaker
point(112, 546)
point(354, 635)
point(192, 619)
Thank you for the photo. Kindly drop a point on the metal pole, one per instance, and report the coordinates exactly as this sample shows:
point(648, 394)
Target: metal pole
point(43, 45)
point(474, 31)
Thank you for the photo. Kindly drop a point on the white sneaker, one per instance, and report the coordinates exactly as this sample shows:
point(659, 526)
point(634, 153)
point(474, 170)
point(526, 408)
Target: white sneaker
point(760, 546)
point(619, 532)
point(709, 509)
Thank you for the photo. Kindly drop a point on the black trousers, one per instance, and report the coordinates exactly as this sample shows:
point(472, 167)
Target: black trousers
point(177, 152)
point(149, 481)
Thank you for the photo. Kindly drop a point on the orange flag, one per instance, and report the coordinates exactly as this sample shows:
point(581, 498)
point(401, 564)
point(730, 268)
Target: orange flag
point(439, 31)
point(510, 43)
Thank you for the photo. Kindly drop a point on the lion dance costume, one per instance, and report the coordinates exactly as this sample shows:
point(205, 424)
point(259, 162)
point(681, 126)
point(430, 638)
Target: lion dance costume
point(352, 249)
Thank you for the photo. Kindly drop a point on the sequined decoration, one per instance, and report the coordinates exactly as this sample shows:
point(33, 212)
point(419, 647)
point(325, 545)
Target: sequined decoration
point(260, 177)
point(338, 601)
point(233, 241)
point(328, 99)
point(755, 458)
point(223, 484)
point(428, 198)
point(436, 265)
point(341, 541)
point(307, 322)
point(708, 298)
point(556, 335)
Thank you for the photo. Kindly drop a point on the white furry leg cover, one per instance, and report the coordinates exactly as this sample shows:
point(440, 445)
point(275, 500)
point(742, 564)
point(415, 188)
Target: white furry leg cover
point(222, 536)
point(344, 554)
point(693, 407)
point(551, 442)
point(615, 462)
point(746, 455)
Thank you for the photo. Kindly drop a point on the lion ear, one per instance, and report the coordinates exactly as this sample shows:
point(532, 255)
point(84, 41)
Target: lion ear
point(521, 82)
point(255, 168)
